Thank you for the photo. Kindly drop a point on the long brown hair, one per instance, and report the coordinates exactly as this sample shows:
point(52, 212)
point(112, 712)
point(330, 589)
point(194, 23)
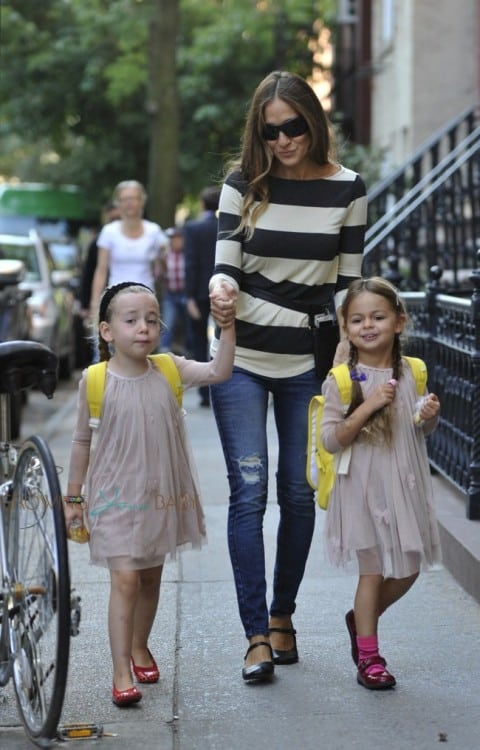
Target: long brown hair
point(255, 158)
point(379, 426)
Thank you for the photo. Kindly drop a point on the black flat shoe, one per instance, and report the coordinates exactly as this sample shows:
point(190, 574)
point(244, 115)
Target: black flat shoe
point(261, 671)
point(290, 656)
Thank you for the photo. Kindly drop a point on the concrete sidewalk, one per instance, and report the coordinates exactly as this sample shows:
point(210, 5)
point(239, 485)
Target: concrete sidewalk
point(430, 638)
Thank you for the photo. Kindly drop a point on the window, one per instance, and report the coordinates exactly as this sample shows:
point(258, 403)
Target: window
point(347, 11)
point(387, 21)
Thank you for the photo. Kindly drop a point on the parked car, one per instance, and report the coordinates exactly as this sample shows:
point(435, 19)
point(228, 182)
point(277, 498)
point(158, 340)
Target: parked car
point(67, 257)
point(51, 302)
point(14, 324)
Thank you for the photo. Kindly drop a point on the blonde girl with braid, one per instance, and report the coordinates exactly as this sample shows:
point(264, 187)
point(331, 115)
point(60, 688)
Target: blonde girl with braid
point(380, 516)
point(138, 488)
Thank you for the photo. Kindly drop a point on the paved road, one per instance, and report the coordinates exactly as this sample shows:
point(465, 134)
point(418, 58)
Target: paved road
point(431, 640)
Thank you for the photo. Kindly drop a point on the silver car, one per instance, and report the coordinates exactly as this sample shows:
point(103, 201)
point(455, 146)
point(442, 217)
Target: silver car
point(51, 301)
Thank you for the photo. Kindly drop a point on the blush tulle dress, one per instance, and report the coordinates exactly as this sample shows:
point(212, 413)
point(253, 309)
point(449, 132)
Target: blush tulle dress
point(141, 488)
point(381, 517)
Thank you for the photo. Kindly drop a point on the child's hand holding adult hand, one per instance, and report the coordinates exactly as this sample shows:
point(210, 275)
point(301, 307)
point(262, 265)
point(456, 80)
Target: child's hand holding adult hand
point(223, 302)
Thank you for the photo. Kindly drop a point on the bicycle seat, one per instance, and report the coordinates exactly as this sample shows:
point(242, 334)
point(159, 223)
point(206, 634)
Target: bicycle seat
point(25, 364)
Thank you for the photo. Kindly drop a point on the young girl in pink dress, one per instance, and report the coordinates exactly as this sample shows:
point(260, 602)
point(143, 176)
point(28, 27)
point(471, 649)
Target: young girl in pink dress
point(380, 513)
point(141, 493)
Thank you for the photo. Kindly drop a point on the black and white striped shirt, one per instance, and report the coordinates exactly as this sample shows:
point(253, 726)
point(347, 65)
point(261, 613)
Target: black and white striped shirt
point(306, 249)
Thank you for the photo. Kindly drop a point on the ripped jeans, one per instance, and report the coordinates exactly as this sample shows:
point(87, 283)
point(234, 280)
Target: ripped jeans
point(240, 408)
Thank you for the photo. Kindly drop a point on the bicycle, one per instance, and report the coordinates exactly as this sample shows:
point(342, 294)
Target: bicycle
point(37, 614)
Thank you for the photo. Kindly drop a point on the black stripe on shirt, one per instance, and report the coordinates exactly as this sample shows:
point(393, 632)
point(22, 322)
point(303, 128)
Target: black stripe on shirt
point(274, 339)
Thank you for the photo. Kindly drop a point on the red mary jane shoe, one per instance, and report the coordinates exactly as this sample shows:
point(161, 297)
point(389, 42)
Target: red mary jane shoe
point(126, 697)
point(378, 680)
point(146, 674)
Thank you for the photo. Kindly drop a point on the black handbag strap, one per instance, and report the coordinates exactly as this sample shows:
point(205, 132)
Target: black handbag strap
point(310, 310)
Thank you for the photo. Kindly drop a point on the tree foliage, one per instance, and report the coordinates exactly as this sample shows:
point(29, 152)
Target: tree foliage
point(76, 92)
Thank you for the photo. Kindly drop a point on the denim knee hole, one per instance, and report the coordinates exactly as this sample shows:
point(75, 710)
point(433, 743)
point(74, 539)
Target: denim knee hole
point(250, 469)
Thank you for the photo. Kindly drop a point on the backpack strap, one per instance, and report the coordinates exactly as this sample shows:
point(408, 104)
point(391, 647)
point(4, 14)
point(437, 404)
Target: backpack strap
point(419, 370)
point(341, 373)
point(342, 377)
point(315, 410)
point(96, 378)
point(165, 364)
point(95, 388)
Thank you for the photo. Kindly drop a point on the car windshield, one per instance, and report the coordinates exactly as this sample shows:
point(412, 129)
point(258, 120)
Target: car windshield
point(27, 254)
point(64, 254)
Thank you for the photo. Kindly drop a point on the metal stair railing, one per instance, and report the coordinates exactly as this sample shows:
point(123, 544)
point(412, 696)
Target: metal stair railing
point(422, 190)
point(423, 159)
point(432, 218)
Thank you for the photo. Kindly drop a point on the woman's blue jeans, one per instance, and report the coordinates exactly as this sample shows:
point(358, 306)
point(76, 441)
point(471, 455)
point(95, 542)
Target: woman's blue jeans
point(240, 408)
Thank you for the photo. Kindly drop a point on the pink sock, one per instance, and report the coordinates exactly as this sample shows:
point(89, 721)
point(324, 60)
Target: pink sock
point(368, 646)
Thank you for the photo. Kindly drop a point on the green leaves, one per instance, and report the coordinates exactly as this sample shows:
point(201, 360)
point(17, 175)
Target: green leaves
point(76, 80)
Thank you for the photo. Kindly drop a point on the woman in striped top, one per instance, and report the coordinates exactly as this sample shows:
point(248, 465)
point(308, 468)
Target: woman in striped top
point(290, 240)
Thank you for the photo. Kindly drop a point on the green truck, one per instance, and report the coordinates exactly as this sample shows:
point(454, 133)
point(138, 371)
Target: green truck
point(54, 211)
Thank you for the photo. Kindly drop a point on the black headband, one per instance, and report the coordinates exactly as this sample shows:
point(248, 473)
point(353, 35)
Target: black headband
point(110, 293)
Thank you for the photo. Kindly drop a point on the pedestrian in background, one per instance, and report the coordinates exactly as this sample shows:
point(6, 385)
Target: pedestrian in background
point(128, 248)
point(110, 212)
point(200, 236)
point(173, 299)
point(380, 513)
point(141, 495)
point(290, 240)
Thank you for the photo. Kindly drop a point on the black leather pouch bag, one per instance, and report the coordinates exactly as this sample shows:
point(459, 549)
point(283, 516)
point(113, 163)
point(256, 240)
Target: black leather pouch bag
point(326, 335)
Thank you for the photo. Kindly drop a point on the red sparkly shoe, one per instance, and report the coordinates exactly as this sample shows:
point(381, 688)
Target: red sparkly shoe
point(123, 698)
point(381, 680)
point(146, 674)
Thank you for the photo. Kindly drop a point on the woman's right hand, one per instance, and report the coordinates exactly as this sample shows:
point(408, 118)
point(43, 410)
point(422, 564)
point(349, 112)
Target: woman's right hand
point(223, 303)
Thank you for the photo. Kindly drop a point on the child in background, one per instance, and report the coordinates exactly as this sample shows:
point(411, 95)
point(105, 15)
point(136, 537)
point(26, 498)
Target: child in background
point(141, 492)
point(380, 511)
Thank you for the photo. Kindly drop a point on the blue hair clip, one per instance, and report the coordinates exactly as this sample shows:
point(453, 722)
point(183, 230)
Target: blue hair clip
point(360, 377)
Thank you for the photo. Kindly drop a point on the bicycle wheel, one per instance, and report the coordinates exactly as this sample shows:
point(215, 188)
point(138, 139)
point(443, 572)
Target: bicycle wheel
point(39, 620)
point(5, 666)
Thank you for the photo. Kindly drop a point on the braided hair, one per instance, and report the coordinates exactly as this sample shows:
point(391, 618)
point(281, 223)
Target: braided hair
point(378, 427)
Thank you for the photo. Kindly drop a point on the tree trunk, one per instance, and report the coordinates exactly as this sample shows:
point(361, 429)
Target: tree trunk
point(162, 107)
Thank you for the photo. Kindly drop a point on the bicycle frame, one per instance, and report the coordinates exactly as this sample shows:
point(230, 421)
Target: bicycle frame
point(7, 453)
point(35, 597)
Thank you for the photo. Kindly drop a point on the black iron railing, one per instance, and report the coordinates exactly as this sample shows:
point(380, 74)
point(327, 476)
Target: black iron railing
point(424, 235)
point(427, 212)
point(445, 332)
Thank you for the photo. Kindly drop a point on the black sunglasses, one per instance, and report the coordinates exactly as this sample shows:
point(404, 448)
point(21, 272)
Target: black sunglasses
point(291, 128)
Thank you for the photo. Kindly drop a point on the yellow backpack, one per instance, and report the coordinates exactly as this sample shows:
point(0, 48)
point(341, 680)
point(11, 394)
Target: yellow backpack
point(320, 463)
point(97, 374)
